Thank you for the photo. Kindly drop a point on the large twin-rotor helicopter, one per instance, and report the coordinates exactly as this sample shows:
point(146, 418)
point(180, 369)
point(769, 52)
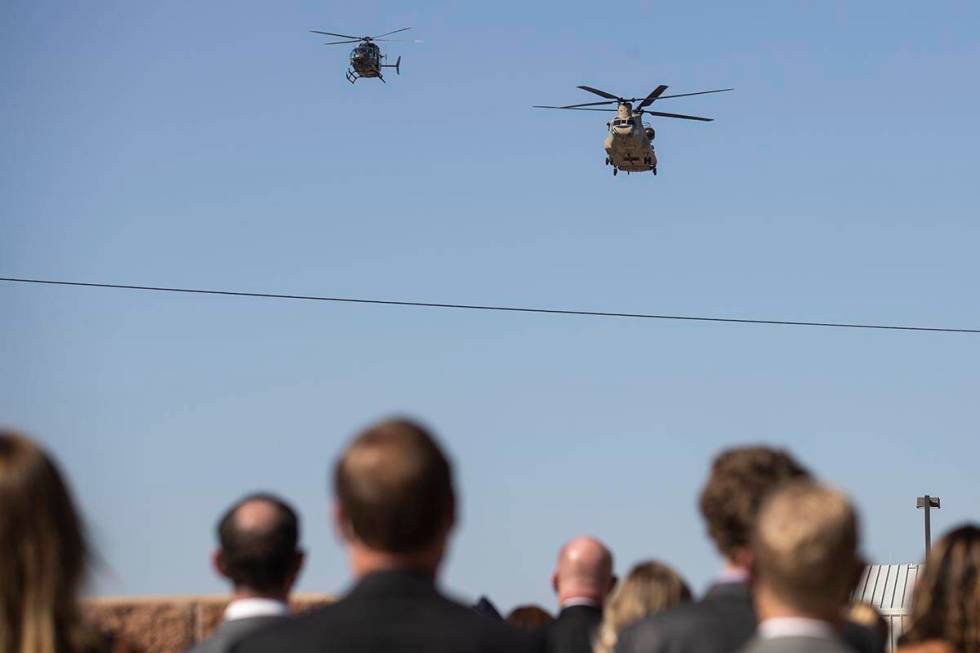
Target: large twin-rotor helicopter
point(629, 144)
point(366, 59)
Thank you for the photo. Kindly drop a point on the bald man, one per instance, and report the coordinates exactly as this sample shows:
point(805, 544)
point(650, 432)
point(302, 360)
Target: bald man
point(258, 553)
point(582, 580)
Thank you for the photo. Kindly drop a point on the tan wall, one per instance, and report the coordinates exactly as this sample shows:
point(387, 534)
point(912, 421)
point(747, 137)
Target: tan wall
point(169, 624)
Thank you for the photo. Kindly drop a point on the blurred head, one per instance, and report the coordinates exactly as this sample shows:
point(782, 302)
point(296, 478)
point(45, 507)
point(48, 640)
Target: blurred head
point(529, 617)
point(43, 552)
point(946, 601)
point(584, 571)
point(395, 502)
point(258, 550)
point(867, 615)
point(740, 480)
point(805, 547)
point(649, 587)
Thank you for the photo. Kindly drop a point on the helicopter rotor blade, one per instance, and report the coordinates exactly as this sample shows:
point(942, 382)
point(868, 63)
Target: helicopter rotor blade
point(343, 36)
point(677, 115)
point(650, 99)
point(720, 90)
point(588, 104)
point(608, 96)
point(398, 40)
point(390, 33)
point(342, 42)
point(573, 108)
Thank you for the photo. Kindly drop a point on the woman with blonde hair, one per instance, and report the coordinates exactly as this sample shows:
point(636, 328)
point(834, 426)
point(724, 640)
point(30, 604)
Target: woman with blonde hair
point(946, 603)
point(649, 587)
point(43, 556)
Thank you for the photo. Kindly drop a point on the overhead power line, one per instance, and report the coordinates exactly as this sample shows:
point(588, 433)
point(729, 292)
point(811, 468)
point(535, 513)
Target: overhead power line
point(483, 307)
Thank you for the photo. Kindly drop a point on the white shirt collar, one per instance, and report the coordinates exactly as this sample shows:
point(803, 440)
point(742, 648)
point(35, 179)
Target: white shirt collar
point(795, 627)
point(256, 607)
point(733, 575)
point(568, 603)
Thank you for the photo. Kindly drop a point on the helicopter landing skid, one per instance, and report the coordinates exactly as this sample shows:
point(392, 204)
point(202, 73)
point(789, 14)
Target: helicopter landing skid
point(353, 76)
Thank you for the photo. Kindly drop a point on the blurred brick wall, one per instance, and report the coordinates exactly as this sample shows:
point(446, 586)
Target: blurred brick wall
point(169, 624)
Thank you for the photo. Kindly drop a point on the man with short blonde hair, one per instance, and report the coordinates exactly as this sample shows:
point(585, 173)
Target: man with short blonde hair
point(805, 547)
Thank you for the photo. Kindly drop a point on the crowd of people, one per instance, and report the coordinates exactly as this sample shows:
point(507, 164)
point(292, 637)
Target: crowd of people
point(788, 547)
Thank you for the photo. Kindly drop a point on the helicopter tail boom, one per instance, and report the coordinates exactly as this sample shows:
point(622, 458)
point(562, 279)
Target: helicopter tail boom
point(396, 65)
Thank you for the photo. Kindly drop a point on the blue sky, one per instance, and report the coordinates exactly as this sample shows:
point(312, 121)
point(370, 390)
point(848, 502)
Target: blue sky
point(219, 145)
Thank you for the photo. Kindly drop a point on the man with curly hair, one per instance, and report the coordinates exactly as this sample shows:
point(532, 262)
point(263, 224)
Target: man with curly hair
point(724, 619)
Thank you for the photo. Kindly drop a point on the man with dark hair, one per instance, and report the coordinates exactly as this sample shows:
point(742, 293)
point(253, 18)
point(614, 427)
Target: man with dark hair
point(724, 619)
point(395, 508)
point(258, 553)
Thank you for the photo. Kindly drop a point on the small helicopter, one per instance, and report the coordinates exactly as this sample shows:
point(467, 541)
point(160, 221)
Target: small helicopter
point(629, 145)
point(366, 59)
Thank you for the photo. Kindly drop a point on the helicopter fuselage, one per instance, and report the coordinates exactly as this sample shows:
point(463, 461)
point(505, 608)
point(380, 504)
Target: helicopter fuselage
point(628, 144)
point(365, 60)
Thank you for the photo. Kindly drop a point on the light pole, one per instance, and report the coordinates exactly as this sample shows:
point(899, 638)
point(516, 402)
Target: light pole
point(926, 503)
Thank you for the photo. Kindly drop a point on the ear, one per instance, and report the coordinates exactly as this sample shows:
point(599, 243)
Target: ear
point(554, 581)
point(859, 564)
point(453, 516)
point(743, 557)
point(341, 522)
point(218, 563)
point(298, 560)
point(613, 580)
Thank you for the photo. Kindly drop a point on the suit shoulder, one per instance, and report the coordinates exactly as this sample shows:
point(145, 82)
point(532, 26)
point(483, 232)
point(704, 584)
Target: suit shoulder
point(491, 634)
point(685, 627)
point(436, 624)
point(677, 619)
point(643, 635)
point(796, 645)
point(286, 633)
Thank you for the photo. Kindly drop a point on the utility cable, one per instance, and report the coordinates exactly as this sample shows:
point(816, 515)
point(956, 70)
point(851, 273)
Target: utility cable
point(507, 309)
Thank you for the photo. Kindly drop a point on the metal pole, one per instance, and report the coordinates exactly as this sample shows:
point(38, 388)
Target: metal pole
point(927, 503)
point(928, 526)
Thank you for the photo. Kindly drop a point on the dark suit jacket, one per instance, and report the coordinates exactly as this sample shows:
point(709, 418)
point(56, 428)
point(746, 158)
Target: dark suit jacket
point(231, 632)
point(723, 621)
point(573, 630)
point(392, 611)
point(798, 645)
